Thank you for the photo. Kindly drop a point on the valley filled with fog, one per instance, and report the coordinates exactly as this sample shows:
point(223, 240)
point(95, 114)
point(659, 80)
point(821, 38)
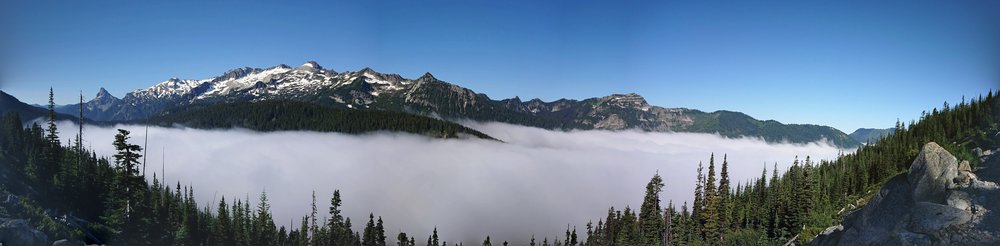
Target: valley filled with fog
point(534, 182)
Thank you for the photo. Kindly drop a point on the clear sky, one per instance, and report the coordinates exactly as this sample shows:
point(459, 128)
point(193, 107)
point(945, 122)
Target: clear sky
point(847, 64)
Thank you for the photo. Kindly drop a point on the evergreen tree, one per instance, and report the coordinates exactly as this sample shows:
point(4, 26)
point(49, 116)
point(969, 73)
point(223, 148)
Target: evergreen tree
point(435, 237)
point(264, 224)
point(50, 162)
point(711, 210)
point(699, 200)
point(724, 209)
point(369, 236)
point(313, 227)
point(380, 232)
point(304, 231)
point(668, 227)
point(572, 238)
point(650, 220)
point(775, 204)
point(126, 203)
point(223, 223)
point(402, 239)
point(52, 133)
point(340, 232)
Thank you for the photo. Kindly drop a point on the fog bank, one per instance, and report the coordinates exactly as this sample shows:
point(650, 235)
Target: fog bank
point(535, 182)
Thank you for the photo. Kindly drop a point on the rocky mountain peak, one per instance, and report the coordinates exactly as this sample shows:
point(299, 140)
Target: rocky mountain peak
point(104, 99)
point(630, 100)
point(311, 66)
point(367, 70)
point(237, 73)
point(102, 94)
point(427, 76)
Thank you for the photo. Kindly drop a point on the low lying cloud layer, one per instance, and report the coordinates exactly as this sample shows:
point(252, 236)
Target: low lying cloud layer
point(534, 183)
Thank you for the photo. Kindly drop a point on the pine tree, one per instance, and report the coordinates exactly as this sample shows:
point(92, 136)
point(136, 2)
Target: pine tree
point(668, 224)
point(402, 239)
point(313, 227)
point(369, 236)
point(572, 238)
point(435, 237)
point(79, 139)
point(380, 232)
point(711, 214)
point(52, 133)
point(775, 204)
point(50, 164)
point(687, 221)
point(724, 209)
point(650, 221)
point(699, 201)
point(129, 197)
point(791, 214)
point(223, 224)
point(264, 224)
point(304, 231)
point(339, 233)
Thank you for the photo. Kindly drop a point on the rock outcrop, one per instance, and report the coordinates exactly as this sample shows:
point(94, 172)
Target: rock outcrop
point(932, 173)
point(939, 201)
point(18, 232)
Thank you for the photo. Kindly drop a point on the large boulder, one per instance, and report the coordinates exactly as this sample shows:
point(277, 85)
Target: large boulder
point(912, 239)
point(960, 200)
point(18, 232)
point(932, 173)
point(876, 222)
point(67, 242)
point(964, 166)
point(929, 218)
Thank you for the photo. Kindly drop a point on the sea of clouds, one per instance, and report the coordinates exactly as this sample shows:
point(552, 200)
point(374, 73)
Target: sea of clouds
point(535, 182)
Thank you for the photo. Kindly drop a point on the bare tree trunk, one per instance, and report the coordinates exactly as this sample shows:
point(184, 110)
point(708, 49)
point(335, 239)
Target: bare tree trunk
point(667, 221)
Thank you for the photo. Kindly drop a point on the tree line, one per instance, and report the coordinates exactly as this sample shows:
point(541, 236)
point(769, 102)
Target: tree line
point(802, 200)
point(285, 115)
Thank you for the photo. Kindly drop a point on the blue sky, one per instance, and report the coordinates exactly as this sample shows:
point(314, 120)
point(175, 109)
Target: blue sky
point(847, 64)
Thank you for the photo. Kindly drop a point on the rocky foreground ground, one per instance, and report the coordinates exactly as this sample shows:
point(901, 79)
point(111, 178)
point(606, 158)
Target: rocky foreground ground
point(939, 201)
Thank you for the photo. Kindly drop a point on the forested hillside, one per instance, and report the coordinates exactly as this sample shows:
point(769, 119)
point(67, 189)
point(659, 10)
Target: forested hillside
point(865, 135)
point(810, 196)
point(10, 104)
point(293, 115)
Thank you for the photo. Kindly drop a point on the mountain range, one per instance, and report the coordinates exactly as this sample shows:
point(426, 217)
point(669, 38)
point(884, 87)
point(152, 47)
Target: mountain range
point(10, 104)
point(868, 135)
point(429, 96)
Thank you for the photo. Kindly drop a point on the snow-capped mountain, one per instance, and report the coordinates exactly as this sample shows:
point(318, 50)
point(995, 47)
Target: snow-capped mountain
point(427, 95)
